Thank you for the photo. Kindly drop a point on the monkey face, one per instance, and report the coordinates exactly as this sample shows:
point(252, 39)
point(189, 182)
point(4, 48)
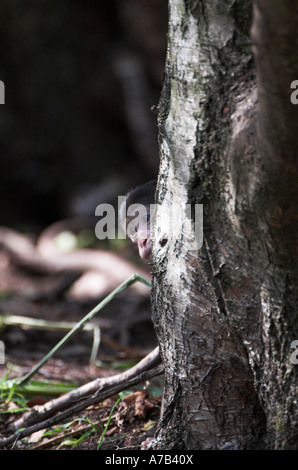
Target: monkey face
point(138, 231)
point(135, 217)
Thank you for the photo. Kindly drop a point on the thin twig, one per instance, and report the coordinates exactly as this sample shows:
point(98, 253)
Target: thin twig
point(22, 321)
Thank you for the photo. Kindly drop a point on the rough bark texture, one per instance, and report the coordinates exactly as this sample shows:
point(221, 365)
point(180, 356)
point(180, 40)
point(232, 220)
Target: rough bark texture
point(225, 314)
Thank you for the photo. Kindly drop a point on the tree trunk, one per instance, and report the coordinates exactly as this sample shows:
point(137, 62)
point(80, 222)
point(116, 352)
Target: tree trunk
point(225, 313)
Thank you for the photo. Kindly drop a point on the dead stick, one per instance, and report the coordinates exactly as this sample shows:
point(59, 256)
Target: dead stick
point(39, 413)
point(96, 398)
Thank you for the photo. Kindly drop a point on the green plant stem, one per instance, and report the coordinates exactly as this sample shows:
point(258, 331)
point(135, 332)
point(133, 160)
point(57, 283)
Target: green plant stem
point(107, 425)
point(131, 280)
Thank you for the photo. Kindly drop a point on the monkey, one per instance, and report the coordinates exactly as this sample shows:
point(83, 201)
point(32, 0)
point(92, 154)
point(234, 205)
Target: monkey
point(135, 217)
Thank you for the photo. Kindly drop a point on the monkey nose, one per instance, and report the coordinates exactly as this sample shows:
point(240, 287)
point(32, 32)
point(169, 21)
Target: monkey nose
point(144, 246)
point(143, 242)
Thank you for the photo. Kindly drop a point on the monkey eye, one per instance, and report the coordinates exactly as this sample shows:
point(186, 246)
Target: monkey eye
point(133, 230)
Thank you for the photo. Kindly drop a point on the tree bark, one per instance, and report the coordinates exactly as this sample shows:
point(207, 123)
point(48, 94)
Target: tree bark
point(225, 313)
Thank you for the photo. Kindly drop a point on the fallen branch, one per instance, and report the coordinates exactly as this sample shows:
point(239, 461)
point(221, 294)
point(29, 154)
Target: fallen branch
point(100, 395)
point(60, 408)
point(40, 413)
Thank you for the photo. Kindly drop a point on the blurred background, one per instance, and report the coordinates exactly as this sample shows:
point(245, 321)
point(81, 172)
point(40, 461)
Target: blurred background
point(80, 80)
point(76, 130)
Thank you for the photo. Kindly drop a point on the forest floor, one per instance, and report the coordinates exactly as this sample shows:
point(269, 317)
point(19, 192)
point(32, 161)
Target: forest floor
point(127, 335)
